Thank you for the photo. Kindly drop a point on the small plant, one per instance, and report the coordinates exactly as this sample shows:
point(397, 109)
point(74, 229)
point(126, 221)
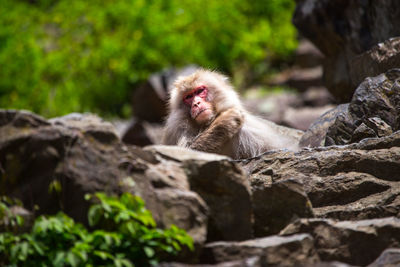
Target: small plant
point(124, 234)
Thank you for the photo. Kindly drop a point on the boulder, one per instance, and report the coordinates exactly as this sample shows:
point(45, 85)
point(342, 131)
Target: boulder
point(74, 155)
point(343, 29)
point(223, 185)
point(372, 112)
point(353, 242)
point(142, 133)
point(276, 204)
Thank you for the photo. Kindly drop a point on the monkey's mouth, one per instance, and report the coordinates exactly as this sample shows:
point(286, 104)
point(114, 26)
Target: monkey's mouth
point(201, 111)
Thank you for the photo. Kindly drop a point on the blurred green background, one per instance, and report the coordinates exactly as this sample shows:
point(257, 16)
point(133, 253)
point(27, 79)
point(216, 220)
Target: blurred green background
point(62, 56)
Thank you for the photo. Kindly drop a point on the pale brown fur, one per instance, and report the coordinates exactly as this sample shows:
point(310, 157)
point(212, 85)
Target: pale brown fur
point(233, 131)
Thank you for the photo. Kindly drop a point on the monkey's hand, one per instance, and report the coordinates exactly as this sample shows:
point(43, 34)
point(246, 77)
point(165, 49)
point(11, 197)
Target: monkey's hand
point(221, 130)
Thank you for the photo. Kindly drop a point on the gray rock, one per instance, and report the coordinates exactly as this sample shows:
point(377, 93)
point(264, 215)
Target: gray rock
point(220, 182)
point(276, 204)
point(186, 210)
point(315, 135)
point(373, 111)
point(225, 188)
point(353, 242)
point(137, 134)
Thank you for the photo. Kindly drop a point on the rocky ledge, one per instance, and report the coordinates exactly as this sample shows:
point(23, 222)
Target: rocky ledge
point(323, 206)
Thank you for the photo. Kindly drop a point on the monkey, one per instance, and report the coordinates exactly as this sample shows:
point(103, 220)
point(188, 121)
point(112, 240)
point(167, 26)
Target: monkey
point(206, 114)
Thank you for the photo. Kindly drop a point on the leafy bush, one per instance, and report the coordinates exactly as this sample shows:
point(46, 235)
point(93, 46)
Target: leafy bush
point(59, 56)
point(127, 237)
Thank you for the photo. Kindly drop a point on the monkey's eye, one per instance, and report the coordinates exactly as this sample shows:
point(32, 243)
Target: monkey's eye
point(201, 90)
point(187, 99)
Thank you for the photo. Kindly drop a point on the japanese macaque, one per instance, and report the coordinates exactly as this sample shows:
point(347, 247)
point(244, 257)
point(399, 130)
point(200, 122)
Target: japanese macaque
point(205, 113)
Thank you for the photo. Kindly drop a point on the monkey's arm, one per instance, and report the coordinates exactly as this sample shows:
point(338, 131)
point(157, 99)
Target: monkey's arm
point(221, 130)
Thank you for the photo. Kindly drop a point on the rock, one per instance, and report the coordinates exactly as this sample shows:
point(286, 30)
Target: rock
point(54, 163)
point(273, 251)
point(220, 182)
point(298, 78)
point(302, 118)
point(181, 154)
point(186, 210)
point(353, 182)
point(315, 135)
point(142, 133)
point(179, 205)
point(276, 204)
point(353, 242)
point(295, 110)
point(248, 262)
point(148, 101)
point(342, 30)
point(379, 59)
point(307, 55)
point(225, 188)
point(389, 258)
point(372, 112)
point(302, 79)
point(331, 264)
point(317, 97)
point(272, 107)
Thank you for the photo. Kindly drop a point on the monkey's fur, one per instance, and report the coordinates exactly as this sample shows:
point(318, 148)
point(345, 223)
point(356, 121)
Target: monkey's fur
point(233, 131)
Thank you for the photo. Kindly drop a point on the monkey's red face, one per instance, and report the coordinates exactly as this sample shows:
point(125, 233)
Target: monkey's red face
point(200, 109)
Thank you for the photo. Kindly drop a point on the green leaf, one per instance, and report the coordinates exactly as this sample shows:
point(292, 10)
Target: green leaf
point(149, 252)
point(94, 215)
point(73, 259)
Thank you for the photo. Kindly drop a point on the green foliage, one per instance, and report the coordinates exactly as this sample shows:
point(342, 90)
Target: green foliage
point(124, 235)
point(59, 56)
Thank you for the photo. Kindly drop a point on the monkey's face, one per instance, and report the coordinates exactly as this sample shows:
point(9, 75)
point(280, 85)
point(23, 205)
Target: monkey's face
point(201, 110)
